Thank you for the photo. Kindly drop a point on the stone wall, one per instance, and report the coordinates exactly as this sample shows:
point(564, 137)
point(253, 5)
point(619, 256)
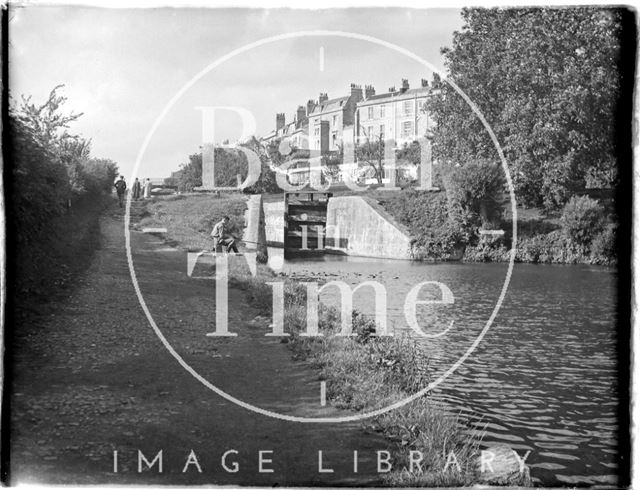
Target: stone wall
point(360, 226)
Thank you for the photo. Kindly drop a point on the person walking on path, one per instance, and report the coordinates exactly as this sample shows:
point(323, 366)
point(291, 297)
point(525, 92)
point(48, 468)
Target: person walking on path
point(147, 189)
point(136, 189)
point(222, 236)
point(121, 187)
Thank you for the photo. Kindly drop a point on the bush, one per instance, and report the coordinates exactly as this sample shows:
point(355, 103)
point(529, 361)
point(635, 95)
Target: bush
point(603, 245)
point(477, 190)
point(582, 219)
point(439, 233)
point(39, 188)
point(99, 175)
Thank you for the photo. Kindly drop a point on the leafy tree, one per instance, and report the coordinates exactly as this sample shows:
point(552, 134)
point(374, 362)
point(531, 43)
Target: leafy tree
point(229, 163)
point(99, 174)
point(547, 82)
point(409, 152)
point(267, 181)
point(371, 154)
point(190, 173)
point(49, 126)
point(49, 167)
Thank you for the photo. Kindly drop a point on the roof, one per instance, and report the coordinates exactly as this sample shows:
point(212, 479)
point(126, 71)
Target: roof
point(269, 135)
point(379, 96)
point(396, 96)
point(330, 106)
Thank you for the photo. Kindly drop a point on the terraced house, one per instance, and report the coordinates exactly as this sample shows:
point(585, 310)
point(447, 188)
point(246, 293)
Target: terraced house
point(332, 122)
point(328, 125)
point(397, 115)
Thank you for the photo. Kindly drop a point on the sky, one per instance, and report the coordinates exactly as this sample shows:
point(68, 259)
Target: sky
point(121, 68)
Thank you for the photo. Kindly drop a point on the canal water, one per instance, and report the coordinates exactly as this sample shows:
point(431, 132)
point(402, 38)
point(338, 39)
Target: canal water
point(544, 377)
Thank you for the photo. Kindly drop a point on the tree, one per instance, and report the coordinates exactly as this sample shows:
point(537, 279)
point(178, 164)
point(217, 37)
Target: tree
point(229, 163)
point(371, 154)
point(48, 126)
point(547, 82)
point(190, 173)
point(99, 174)
point(267, 181)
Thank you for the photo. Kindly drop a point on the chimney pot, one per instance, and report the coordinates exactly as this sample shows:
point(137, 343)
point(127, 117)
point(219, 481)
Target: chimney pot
point(369, 91)
point(356, 90)
point(310, 106)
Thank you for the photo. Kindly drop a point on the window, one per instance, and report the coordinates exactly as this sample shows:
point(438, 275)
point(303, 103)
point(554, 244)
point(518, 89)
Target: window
point(407, 129)
point(382, 131)
point(370, 132)
point(316, 131)
point(370, 112)
point(382, 110)
point(408, 107)
point(335, 120)
point(334, 137)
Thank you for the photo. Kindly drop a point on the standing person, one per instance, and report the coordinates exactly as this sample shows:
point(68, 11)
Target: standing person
point(136, 189)
point(121, 187)
point(222, 236)
point(147, 188)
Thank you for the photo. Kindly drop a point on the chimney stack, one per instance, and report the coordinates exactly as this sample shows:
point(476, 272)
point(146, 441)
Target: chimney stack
point(356, 90)
point(392, 89)
point(311, 104)
point(300, 116)
point(323, 98)
point(279, 121)
point(405, 85)
point(424, 82)
point(369, 91)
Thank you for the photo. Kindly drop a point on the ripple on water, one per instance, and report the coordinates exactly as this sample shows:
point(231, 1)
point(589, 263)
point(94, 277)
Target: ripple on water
point(543, 379)
point(568, 457)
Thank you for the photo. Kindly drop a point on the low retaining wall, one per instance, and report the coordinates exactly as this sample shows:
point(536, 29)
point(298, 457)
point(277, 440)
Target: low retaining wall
point(360, 226)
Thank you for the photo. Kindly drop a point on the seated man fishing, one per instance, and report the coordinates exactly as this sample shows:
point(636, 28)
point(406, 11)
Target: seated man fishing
point(222, 236)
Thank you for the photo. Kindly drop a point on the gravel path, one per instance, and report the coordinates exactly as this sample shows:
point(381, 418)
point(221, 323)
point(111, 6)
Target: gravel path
point(90, 377)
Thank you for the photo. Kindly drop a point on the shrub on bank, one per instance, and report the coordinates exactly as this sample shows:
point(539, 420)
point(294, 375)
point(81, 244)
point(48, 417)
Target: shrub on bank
point(477, 190)
point(604, 246)
point(582, 219)
point(547, 248)
point(55, 195)
point(439, 235)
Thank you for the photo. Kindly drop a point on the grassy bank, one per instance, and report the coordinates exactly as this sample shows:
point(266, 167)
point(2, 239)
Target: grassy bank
point(569, 236)
point(364, 372)
point(189, 218)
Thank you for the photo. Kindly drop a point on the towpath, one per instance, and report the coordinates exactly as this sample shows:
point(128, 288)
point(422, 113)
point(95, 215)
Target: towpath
point(90, 377)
